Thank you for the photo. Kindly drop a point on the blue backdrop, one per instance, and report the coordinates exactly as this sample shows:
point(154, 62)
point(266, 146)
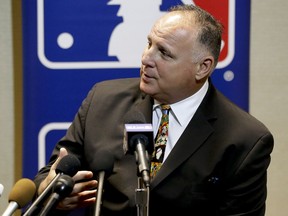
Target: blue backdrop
point(71, 44)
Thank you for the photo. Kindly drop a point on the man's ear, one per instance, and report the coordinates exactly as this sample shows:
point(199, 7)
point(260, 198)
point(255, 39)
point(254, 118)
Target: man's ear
point(206, 67)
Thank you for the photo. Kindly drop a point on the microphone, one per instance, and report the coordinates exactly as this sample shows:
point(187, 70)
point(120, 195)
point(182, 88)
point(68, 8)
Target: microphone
point(68, 165)
point(103, 165)
point(138, 140)
point(20, 195)
point(62, 188)
point(1, 189)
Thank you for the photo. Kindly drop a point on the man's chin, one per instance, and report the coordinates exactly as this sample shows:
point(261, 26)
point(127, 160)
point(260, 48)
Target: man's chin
point(147, 88)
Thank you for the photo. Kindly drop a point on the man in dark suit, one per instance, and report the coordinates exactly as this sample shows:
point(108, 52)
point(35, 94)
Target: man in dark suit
point(216, 156)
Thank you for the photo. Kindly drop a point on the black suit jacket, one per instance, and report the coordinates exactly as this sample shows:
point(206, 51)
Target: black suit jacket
point(217, 167)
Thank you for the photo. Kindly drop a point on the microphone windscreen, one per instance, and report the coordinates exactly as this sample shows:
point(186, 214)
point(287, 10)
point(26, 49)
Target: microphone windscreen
point(68, 165)
point(22, 192)
point(64, 185)
point(103, 161)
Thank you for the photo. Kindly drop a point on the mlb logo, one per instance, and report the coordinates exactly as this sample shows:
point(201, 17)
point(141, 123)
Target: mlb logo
point(224, 11)
point(89, 34)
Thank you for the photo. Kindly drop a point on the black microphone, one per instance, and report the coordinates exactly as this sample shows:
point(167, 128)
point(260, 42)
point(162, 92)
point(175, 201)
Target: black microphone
point(20, 195)
point(138, 140)
point(68, 165)
point(62, 188)
point(103, 164)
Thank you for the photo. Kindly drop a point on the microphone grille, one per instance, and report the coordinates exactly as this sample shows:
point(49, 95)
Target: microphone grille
point(68, 165)
point(64, 186)
point(22, 192)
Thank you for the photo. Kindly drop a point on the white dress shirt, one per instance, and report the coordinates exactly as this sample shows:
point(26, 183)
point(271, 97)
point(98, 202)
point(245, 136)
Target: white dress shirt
point(179, 116)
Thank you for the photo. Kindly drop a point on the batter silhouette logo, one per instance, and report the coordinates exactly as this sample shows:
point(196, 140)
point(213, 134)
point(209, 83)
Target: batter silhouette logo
point(88, 34)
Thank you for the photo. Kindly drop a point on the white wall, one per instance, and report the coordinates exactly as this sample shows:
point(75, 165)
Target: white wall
point(269, 91)
point(268, 94)
point(6, 103)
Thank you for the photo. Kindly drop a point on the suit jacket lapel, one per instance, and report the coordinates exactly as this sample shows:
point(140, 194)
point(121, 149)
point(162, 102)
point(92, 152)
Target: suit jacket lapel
point(144, 105)
point(192, 138)
point(196, 133)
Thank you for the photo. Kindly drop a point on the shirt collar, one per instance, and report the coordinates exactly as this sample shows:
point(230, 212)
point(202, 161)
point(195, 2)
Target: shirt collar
point(185, 109)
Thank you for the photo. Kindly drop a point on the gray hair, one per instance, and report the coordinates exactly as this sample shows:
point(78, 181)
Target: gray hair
point(210, 34)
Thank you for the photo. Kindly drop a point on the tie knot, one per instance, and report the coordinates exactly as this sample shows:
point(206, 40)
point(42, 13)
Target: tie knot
point(165, 108)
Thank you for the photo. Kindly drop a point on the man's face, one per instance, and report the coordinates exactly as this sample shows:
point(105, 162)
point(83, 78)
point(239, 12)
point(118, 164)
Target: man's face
point(168, 68)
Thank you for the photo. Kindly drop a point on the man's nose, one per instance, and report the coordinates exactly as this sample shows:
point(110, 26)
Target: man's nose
point(147, 57)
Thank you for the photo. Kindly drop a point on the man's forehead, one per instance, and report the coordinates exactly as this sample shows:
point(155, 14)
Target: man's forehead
point(177, 19)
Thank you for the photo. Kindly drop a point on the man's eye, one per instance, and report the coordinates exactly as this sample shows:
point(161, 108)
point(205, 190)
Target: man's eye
point(165, 53)
point(149, 44)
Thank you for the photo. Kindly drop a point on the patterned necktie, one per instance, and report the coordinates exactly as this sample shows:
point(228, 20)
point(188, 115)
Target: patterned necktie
point(161, 140)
